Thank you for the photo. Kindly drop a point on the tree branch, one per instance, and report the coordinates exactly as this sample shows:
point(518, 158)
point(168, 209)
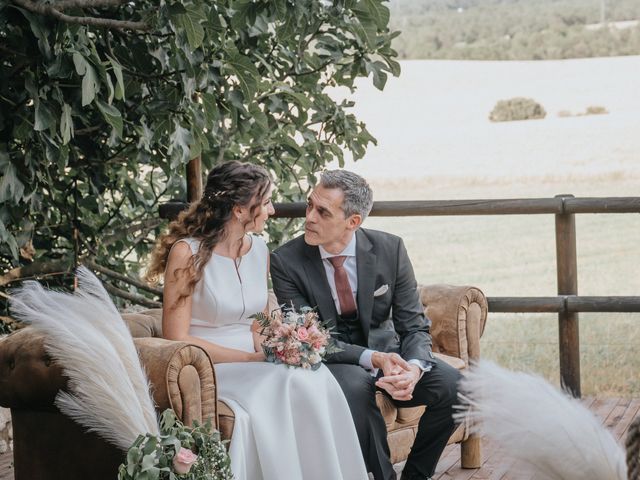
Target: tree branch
point(310, 72)
point(63, 4)
point(35, 269)
point(137, 299)
point(12, 52)
point(148, 224)
point(120, 277)
point(49, 10)
point(88, 130)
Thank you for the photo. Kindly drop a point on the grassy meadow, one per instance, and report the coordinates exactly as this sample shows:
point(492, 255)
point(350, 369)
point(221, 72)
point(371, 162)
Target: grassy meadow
point(436, 142)
point(515, 256)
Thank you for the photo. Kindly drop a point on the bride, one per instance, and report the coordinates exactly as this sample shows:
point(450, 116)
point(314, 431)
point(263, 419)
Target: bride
point(289, 423)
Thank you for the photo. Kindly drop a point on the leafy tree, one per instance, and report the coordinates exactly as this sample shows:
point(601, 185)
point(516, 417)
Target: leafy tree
point(103, 102)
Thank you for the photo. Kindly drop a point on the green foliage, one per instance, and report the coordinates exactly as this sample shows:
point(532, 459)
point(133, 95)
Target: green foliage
point(151, 458)
point(514, 29)
point(96, 123)
point(518, 108)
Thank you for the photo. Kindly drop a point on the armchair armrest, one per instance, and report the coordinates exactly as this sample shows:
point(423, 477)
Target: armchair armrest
point(181, 375)
point(458, 315)
point(182, 378)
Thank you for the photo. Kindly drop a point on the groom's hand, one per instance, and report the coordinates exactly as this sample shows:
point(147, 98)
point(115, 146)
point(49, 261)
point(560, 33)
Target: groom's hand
point(390, 363)
point(400, 377)
point(400, 386)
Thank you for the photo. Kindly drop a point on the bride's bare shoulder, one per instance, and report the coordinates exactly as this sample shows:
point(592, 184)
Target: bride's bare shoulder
point(180, 253)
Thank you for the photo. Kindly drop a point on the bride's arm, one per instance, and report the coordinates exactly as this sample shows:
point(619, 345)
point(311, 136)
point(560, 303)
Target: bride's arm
point(176, 317)
point(258, 338)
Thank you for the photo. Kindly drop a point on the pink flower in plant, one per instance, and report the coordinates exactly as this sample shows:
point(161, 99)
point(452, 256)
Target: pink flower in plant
point(303, 334)
point(292, 356)
point(183, 461)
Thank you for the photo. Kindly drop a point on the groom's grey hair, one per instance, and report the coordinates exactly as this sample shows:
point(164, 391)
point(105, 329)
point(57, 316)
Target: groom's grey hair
point(358, 196)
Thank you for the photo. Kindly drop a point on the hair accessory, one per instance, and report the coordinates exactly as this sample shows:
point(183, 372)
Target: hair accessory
point(211, 195)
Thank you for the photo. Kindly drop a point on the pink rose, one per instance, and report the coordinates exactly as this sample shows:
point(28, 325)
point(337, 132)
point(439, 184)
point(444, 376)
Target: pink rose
point(303, 334)
point(183, 461)
point(318, 344)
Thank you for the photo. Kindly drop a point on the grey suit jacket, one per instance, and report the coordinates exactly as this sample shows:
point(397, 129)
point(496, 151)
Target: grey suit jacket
point(392, 322)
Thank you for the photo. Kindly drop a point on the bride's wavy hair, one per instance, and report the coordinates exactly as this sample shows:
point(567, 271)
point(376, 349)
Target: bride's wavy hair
point(229, 184)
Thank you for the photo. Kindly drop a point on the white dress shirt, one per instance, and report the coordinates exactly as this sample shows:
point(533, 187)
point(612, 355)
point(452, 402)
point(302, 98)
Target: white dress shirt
point(351, 266)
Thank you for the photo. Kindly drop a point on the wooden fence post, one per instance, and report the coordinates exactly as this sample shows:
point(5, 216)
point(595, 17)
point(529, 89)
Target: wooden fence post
point(567, 267)
point(194, 180)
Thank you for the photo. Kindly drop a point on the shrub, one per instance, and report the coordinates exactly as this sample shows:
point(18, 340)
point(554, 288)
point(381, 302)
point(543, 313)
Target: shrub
point(517, 108)
point(596, 110)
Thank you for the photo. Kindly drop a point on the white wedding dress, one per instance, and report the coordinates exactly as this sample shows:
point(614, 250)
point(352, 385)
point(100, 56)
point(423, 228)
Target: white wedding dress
point(290, 424)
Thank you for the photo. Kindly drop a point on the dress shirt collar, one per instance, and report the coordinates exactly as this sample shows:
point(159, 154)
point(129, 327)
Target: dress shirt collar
point(349, 250)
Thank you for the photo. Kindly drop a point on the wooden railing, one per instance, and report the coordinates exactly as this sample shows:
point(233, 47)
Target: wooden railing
point(567, 304)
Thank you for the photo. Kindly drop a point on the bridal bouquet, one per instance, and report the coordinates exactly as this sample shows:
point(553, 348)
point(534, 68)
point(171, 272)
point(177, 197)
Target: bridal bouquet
point(296, 339)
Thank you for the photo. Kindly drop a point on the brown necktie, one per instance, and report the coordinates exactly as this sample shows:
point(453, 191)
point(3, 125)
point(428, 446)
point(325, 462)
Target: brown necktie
point(343, 288)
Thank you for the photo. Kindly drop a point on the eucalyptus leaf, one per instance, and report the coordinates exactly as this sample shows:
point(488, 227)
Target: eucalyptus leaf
point(149, 460)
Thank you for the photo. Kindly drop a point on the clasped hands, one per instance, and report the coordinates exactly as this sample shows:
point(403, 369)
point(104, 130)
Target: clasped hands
point(400, 377)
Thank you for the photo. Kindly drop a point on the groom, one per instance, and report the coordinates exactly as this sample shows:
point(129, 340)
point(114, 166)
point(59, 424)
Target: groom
point(362, 282)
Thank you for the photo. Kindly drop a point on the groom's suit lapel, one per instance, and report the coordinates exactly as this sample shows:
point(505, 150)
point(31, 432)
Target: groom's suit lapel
point(320, 285)
point(366, 260)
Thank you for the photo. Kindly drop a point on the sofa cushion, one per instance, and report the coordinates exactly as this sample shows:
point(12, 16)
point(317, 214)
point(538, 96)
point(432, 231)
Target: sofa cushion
point(455, 362)
point(144, 324)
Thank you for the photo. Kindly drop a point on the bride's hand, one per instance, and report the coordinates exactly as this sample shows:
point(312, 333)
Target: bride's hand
point(256, 357)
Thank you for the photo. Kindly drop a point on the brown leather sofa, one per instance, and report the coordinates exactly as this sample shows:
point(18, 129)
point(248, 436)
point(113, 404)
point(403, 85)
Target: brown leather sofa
point(47, 445)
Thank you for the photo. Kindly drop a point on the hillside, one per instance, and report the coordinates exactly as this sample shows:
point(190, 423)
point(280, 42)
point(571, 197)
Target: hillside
point(515, 29)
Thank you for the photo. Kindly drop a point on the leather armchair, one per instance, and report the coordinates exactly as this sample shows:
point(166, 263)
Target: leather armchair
point(48, 445)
